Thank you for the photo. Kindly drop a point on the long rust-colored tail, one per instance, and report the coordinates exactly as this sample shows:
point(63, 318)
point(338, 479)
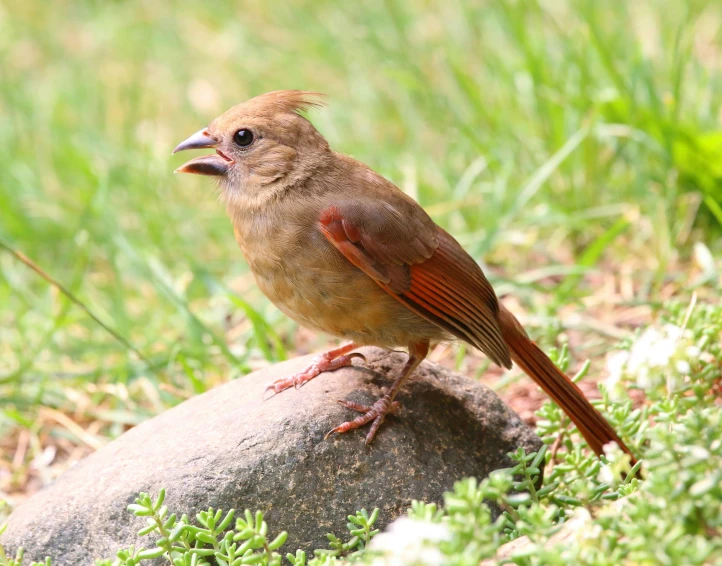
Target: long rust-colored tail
point(565, 393)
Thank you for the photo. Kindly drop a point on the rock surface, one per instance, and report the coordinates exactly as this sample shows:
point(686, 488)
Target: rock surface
point(228, 448)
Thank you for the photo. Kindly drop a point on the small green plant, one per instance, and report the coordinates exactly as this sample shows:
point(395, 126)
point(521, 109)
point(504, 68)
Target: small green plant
point(17, 560)
point(360, 527)
point(215, 540)
point(673, 516)
point(210, 541)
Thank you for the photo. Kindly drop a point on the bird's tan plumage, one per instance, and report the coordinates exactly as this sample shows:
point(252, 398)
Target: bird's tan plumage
point(340, 249)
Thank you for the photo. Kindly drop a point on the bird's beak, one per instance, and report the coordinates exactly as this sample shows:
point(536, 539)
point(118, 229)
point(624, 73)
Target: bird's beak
point(214, 165)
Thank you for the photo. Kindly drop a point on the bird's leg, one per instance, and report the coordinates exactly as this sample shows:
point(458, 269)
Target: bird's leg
point(328, 361)
point(386, 405)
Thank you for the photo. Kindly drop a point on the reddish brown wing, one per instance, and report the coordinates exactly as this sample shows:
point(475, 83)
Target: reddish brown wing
point(422, 267)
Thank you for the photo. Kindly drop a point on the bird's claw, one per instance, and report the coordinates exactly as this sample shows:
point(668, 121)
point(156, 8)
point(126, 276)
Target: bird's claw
point(296, 380)
point(319, 365)
point(374, 414)
point(358, 355)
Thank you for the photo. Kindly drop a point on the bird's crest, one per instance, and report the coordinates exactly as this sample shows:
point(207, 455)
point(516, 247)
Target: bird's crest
point(286, 101)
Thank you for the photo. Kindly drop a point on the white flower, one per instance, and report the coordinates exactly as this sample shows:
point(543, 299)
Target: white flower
point(683, 366)
point(616, 364)
point(407, 542)
point(665, 347)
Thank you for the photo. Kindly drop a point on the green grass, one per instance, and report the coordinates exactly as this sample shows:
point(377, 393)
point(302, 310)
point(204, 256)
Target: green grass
point(554, 139)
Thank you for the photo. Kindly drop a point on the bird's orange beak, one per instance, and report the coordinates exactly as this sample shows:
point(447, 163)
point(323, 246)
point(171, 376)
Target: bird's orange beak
point(214, 165)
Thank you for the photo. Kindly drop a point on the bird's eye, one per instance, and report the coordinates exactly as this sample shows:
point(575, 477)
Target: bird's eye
point(243, 138)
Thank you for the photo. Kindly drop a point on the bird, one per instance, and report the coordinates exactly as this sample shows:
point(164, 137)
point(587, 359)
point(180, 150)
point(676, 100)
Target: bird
point(342, 250)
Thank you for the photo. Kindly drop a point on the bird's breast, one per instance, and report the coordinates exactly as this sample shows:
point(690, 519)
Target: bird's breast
point(312, 283)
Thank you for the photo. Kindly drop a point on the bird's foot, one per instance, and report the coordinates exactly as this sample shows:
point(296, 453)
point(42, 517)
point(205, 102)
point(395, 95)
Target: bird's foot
point(376, 413)
point(321, 363)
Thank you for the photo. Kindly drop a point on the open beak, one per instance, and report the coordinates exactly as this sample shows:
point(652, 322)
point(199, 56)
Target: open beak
point(214, 165)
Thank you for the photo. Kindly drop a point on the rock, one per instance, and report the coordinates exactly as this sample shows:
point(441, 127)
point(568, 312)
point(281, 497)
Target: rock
point(229, 449)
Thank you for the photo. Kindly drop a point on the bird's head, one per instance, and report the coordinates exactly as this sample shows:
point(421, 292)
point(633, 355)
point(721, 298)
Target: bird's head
point(261, 143)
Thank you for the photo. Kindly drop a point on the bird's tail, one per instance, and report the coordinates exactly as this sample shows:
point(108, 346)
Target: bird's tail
point(565, 393)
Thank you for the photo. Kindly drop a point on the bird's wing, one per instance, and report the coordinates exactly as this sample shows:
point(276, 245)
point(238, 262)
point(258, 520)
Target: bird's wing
point(420, 265)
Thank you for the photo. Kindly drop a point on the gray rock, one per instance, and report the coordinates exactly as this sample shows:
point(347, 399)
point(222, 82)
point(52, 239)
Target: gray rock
point(228, 448)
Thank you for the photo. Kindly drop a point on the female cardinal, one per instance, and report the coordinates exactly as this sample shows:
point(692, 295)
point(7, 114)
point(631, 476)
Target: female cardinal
point(340, 249)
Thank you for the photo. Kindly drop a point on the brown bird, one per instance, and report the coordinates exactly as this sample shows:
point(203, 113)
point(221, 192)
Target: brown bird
point(340, 249)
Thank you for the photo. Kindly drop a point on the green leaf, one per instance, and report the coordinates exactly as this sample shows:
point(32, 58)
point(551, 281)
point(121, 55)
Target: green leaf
point(150, 553)
point(279, 541)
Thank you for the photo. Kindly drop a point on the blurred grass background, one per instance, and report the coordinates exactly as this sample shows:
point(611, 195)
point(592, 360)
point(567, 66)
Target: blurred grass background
point(574, 147)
